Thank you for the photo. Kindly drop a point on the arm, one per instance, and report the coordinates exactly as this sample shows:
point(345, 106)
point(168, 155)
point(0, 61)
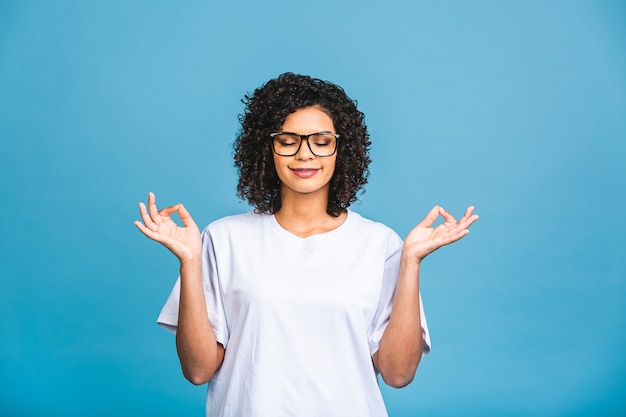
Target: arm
point(401, 345)
point(198, 350)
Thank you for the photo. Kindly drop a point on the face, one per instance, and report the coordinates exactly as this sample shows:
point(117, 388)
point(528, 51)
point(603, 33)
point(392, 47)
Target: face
point(305, 173)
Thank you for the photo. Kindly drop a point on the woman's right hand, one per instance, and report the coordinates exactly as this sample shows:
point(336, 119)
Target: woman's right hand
point(184, 242)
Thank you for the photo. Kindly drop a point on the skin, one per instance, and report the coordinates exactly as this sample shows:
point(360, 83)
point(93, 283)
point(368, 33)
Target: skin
point(199, 352)
point(304, 200)
point(303, 213)
point(401, 345)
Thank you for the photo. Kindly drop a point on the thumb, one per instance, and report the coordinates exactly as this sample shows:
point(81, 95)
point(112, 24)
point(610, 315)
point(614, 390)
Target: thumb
point(430, 218)
point(185, 217)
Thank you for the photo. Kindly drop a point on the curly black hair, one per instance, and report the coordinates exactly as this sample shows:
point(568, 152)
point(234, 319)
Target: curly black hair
point(265, 112)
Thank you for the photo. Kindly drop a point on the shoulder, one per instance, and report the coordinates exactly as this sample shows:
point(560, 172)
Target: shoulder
point(373, 229)
point(245, 221)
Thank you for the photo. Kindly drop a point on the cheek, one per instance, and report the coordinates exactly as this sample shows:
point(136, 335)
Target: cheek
point(332, 165)
point(279, 166)
point(276, 162)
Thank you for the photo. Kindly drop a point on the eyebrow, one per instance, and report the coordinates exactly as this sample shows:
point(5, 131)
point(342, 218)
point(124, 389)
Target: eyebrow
point(315, 133)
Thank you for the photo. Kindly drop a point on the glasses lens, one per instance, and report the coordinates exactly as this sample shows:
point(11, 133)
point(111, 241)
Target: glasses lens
point(322, 145)
point(286, 144)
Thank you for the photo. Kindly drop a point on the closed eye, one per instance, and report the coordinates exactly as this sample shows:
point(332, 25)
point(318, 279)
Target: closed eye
point(288, 140)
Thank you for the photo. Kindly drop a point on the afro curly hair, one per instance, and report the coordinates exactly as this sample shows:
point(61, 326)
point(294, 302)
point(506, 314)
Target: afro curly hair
point(265, 112)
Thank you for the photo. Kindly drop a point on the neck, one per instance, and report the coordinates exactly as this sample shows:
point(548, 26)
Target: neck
point(305, 215)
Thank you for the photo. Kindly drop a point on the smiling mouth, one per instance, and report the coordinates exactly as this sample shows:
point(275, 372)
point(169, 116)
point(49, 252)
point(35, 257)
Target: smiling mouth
point(305, 172)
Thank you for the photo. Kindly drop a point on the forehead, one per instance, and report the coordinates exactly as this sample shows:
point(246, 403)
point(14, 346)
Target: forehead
point(308, 120)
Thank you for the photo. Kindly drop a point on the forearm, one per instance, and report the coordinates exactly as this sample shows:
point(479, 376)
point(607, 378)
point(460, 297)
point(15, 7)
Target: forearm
point(401, 345)
point(198, 350)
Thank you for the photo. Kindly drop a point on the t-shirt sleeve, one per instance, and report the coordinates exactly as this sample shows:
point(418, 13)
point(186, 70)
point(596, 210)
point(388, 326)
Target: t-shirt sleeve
point(385, 302)
point(168, 318)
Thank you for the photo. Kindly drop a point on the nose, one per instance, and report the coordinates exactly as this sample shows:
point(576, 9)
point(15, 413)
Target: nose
point(304, 153)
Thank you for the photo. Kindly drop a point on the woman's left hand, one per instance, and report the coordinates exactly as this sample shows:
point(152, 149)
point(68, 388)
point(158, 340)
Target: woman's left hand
point(424, 239)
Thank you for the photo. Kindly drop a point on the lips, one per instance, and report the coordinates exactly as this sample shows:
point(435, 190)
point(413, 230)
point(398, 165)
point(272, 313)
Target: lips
point(304, 172)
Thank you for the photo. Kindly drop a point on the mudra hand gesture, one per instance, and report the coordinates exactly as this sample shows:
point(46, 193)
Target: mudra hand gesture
point(424, 239)
point(184, 242)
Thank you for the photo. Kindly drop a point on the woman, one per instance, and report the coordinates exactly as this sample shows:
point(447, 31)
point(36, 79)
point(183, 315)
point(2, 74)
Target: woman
point(293, 309)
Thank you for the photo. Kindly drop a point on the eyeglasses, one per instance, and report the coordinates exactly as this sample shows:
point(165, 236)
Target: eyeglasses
point(289, 143)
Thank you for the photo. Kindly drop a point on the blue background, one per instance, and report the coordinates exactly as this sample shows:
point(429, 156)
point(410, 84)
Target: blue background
point(517, 107)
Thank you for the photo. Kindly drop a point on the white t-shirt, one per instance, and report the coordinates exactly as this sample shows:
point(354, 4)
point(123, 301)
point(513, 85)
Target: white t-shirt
point(300, 318)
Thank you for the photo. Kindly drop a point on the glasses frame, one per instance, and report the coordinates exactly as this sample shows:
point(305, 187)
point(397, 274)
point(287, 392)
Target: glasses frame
point(305, 138)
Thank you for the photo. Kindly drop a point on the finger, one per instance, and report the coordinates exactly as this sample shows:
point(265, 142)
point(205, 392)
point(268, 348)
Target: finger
point(152, 208)
point(469, 217)
point(467, 214)
point(459, 226)
point(143, 229)
point(185, 217)
point(446, 234)
point(147, 220)
point(430, 218)
point(464, 222)
point(467, 223)
point(167, 211)
point(449, 229)
point(151, 234)
point(447, 217)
